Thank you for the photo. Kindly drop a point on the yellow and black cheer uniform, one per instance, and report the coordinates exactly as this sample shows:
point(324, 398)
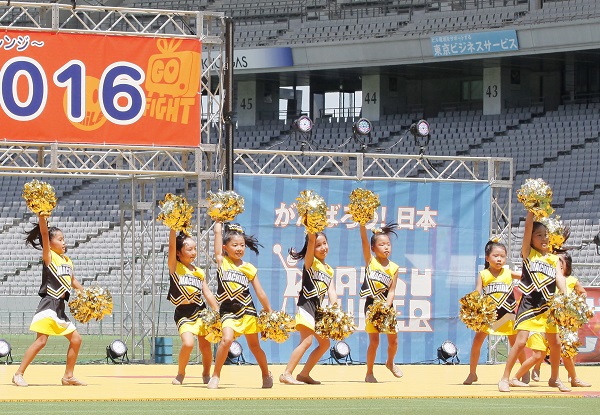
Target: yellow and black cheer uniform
point(500, 289)
point(315, 283)
point(185, 292)
point(571, 282)
point(538, 284)
point(378, 280)
point(537, 341)
point(50, 317)
point(233, 294)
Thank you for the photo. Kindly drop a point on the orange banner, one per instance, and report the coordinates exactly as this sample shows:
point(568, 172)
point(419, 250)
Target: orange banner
point(87, 88)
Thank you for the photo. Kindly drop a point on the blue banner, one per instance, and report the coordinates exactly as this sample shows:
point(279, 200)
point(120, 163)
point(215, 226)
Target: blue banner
point(474, 43)
point(443, 230)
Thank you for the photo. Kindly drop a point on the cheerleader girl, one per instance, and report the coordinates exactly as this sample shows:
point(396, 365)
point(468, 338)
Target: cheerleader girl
point(381, 276)
point(495, 281)
point(572, 283)
point(541, 276)
point(316, 282)
point(238, 313)
point(186, 290)
point(50, 318)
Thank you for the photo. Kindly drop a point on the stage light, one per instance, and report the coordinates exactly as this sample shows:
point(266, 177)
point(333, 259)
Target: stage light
point(5, 350)
point(362, 127)
point(235, 350)
point(340, 352)
point(420, 128)
point(448, 353)
point(303, 124)
point(117, 352)
point(235, 354)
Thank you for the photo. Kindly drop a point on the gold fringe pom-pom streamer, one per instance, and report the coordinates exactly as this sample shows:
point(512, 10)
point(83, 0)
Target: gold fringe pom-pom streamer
point(333, 323)
point(313, 211)
point(536, 196)
point(558, 233)
point(275, 325)
point(569, 342)
point(363, 204)
point(39, 197)
point(382, 317)
point(212, 322)
point(91, 303)
point(569, 311)
point(176, 213)
point(224, 206)
point(477, 311)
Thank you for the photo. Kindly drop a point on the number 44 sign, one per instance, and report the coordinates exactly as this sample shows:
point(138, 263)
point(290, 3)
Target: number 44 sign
point(83, 88)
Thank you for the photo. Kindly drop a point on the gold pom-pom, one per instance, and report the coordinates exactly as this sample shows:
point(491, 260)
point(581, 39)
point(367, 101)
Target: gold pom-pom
point(91, 303)
point(176, 213)
point(536, 196)
point(39, 197)
point(569, 311)
point(332, 322)
point(557, 232)
point(313, 211)
point(363, 204)
point(569, 342)
point(477, 311)
point(212, 322)
point(224, 206)
point(382, 317)
point(275, 325)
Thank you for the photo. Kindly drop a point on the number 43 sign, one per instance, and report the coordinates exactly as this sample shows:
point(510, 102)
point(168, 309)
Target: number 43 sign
point(83, 88)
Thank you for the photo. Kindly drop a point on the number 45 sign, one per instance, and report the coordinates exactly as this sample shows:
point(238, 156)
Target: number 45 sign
point(99, 89)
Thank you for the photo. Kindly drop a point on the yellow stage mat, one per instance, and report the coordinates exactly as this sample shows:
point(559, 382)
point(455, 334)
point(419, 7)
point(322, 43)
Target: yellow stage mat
point(153, 382)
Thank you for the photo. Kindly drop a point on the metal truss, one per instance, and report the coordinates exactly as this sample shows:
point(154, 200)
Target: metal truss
point(136, 167)
point(497, 172)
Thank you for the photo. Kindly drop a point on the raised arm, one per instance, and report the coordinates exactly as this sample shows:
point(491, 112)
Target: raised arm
point(310, 251)
point(172, 261)
point(45, 239)
point(516, 275)
point(526, 246)
point(366, 246)
point(218, 230)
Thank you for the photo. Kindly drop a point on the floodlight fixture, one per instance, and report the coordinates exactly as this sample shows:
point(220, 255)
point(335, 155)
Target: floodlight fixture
point(303, 124)
point(447, 353)
point(420, 128)
point(236, 353)
point(361, 132)
point(5, 351)
point(422, 134)
point(362, 127)
point(340, 352)
point(116, 351)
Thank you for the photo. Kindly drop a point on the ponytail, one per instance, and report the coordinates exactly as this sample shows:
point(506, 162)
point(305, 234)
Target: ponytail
point(302, 253)
point(388, 229)
point(34, 236)
point(231, 229)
